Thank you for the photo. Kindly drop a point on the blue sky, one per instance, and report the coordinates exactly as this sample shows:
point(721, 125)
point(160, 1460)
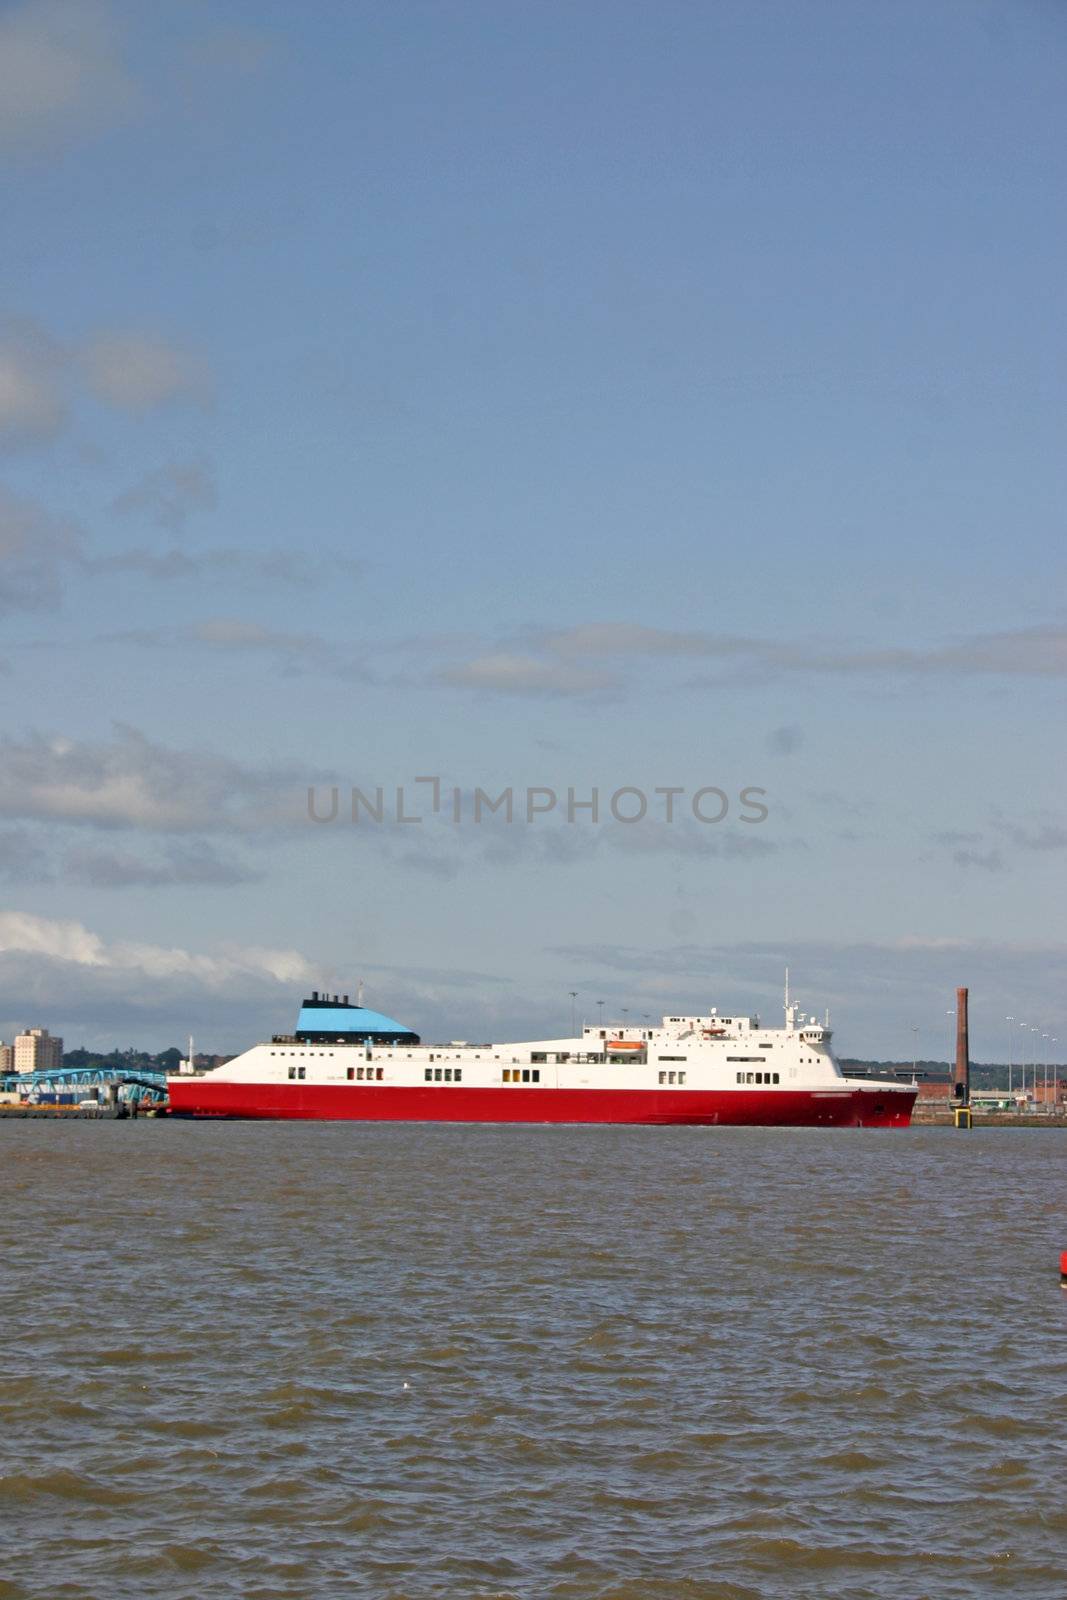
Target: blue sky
point(532, 395)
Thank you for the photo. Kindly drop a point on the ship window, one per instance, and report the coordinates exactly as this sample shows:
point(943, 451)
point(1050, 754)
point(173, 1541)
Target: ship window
point(380, 1074)
point(670, 1077)
point(525, 1074)
point(775, 1077)
point(535, 1075)
point(759, 1077)
point(740, 1077)
point(681, 1077)
point(350, 1074)
point(292, 1072)
point(749, 1076)
point(663, 1077)
point(672, 1058)
point(538, 1055)
point(448, 1074)
point(457, 1076)
point(437, 1074)
point(428, 1074)
point(301, 1072)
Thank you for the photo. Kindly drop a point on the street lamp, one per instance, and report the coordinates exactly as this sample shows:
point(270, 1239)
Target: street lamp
point(914, 1055)
point(1044, 1091)
point(600, 1004)
point(1055, 1081)
point(574, 1015)
point(1023, 1026)
point(1009, 1021)
point(1036, 1033)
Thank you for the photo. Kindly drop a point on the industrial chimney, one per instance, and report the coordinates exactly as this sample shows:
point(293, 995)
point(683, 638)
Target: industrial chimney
point(961, 1083)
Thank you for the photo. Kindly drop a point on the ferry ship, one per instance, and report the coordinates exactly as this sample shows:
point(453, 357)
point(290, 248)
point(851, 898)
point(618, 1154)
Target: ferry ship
point(347, 1062)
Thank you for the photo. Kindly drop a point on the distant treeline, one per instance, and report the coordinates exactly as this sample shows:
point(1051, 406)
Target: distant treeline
point(984, 1074)
point(131, 1060)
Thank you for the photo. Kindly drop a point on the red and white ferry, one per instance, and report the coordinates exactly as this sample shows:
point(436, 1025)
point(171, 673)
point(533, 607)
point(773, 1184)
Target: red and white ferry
point(347, 1062)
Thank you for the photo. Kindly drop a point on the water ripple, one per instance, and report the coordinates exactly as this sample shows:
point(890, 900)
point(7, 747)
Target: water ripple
point(530, 1364)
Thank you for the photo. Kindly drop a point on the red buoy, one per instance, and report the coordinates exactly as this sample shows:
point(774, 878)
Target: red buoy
point(1063, 1268)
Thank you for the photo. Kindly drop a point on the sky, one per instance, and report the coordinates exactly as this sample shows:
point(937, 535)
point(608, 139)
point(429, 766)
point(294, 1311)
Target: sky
point(547, 399)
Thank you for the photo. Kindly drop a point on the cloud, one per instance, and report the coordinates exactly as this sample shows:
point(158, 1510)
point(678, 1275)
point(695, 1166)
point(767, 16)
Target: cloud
point(596, 657)
point(785, 741)
point(193, 865)
point(32, 404)
point(61, 73)
point(877, 990)
point(140, 371)
point(83, 983)
point(23, 858)
point(92, 989)
point(133, 782)
point(506, 673)
point(291, 653)
point(1039, 836)
point(986, 860)
point(41, 376)
point(170, 494)
point(35, 549)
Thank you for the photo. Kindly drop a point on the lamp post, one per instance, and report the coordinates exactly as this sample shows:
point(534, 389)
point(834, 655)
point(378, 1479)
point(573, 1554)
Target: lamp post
point(574, 1013)
point(600, 1004)
point(914, 1055)
point(1037, 1034)
point(1044, 1080)
point(1009, 1021)
point(1055, 1081)
point(1022, 1064)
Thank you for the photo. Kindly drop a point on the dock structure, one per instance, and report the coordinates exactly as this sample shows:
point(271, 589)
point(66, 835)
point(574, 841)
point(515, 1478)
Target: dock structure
point(141, 1085)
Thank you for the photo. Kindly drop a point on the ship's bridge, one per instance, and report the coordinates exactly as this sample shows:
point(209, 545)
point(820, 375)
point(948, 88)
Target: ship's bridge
point(330, 1019)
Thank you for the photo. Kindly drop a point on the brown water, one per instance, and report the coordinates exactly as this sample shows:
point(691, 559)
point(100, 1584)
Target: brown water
point(646, 1364)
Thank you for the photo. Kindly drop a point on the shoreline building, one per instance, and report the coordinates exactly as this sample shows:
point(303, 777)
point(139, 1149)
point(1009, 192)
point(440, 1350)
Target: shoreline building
point(36, 1050)
point(7, 1059)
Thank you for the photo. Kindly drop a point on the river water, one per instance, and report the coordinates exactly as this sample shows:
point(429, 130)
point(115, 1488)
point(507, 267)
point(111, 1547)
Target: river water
point(308, 1361)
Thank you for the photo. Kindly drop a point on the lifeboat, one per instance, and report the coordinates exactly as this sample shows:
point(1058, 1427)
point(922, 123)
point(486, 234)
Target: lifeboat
point(626, 1044)
point(714, 1033)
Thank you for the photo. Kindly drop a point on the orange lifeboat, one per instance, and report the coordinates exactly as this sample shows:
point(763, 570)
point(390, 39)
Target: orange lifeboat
point(626, 1044)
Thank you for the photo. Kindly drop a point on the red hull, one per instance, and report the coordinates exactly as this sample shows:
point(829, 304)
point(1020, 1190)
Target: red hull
point(783, 1108)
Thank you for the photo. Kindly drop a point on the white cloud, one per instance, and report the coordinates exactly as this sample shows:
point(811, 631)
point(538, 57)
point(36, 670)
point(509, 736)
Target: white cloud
point(139, 371)
point(32, 402)
point(22, 933)
point(595, 657)
point(133, 782)
point(61, 72)
point(135, 371)
point(504, 672)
